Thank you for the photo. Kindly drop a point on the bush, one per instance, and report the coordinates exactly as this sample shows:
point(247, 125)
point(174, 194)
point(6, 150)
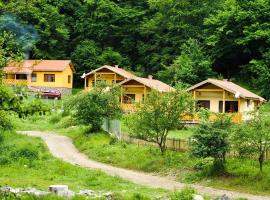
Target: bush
point(6, 122)
point(185, 194)
point(32, 108)
point(66, 122)
point(91, 108)
point(25, 154)
point(55, 118)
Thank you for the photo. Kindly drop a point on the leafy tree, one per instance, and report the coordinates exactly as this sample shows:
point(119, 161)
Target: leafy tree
point(239, 36)
point(91, 108)
point(253, 137)
point(211, 139)
point(191, 67)
point(168, 25)
point(111, 57)
point(85, 56)
point(53, 35)
point(159, 114)
point(9, 49)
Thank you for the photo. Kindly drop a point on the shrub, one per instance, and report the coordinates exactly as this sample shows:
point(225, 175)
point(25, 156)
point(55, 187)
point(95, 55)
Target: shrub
point(6, 121)
point(32, 108)
point(185, 194)
point(27, 154)
point(91, 108)
point(55, 118)
point(211, 140)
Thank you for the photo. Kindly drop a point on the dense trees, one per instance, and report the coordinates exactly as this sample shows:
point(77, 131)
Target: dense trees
point(175, 39)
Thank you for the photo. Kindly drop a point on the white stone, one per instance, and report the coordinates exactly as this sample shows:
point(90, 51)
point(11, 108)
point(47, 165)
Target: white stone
point(58, 188)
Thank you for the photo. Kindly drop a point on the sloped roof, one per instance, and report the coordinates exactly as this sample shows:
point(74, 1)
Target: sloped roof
point(151, 83)
point(116, 70)
point(230, 87)
point(29, 66)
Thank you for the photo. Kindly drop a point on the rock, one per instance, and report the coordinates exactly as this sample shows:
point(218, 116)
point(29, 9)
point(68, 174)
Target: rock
point(58, 188)
point(5, 189)
point(108, 195)
point(89, 193)
point(197, 197)
point(34, 191)
point(61, 190)
point(223, 197)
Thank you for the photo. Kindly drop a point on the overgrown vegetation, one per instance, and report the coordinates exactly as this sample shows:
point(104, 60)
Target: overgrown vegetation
point(159, 114)
point(241, 173)
point(91, 108)
point(253, 138)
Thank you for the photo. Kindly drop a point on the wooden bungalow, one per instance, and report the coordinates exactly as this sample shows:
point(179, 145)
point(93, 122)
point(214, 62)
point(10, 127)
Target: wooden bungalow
point(226, 97)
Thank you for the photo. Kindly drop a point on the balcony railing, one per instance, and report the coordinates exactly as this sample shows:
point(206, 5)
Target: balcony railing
point(128, 107)
point(15, 82)
point(235, 117)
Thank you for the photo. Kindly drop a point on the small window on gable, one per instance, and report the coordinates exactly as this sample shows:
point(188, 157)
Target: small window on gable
point(69, 79)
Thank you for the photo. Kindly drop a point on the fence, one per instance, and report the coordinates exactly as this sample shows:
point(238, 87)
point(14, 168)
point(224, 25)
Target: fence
point(113, 127)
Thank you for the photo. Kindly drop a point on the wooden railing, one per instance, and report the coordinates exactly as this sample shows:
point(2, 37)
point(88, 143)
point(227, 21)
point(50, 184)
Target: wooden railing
point(15, 82)
point(128, 107)
point(236, 118)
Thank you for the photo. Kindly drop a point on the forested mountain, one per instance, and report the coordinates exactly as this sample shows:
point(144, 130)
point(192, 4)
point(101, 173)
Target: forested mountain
point(175, 40)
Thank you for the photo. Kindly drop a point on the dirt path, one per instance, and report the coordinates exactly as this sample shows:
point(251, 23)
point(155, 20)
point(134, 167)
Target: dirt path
point(63, 148)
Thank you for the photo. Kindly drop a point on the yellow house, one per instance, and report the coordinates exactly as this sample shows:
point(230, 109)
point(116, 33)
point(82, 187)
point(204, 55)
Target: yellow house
point(41, 74)
point(226, 97)
point(108, 74)
point(135, 90)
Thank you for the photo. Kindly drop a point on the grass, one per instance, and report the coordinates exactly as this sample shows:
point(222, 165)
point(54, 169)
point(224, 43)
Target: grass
point(26, 162)
point(184, 133)
point(241, 174)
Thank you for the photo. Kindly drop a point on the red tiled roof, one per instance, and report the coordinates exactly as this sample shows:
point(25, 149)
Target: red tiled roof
point(230, 87)
point(29, 66)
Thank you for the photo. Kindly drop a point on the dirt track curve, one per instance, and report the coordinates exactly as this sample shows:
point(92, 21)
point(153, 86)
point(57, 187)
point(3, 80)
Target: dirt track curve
point(63, 148)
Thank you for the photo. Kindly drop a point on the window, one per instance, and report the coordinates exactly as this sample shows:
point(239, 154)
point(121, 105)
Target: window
point(204, 104)
point(129, 98)
point(69, 79)
point(21, 76)
point(34, 78)
point(49, 77)
point(230, 106)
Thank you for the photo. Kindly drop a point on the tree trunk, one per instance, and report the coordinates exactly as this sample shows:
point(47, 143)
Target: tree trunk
point(261, 159)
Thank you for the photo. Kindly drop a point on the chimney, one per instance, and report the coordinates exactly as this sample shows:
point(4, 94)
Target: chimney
point(150, 77)
point(116, 66)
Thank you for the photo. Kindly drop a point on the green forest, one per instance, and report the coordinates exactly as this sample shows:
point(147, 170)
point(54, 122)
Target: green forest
point(174, 40)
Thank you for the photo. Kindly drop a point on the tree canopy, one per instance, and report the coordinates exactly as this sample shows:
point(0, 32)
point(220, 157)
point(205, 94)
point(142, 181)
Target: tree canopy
point(176, 39)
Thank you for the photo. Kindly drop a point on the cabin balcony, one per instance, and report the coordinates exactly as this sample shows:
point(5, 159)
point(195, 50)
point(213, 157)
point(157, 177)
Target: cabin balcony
point(128, 107)
point(235, 117)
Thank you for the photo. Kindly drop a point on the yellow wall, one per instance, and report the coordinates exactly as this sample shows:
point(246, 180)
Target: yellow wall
point(61, 79)
point(109, 78)
point(138, 91)
point(215, 97)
